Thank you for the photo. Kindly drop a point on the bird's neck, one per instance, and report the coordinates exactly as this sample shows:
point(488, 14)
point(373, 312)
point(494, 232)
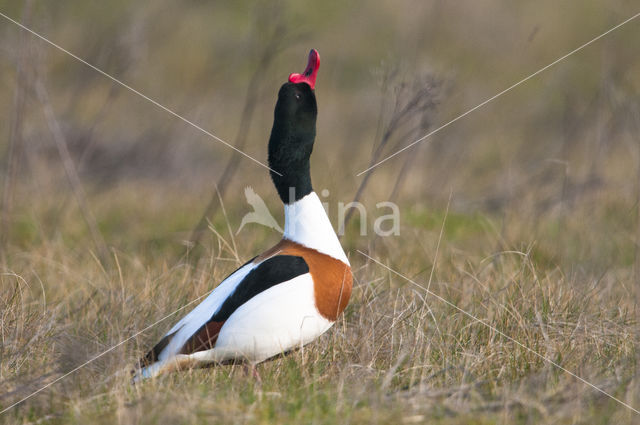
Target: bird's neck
point(293, 181)
point(306, 222)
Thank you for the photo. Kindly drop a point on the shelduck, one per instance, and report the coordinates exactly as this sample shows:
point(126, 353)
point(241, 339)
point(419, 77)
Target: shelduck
point(290, 294)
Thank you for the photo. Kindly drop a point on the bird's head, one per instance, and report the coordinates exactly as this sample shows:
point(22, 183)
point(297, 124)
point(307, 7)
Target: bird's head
point(294, 130)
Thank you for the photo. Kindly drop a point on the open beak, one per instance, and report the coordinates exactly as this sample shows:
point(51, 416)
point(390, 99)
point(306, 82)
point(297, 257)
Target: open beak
point(310, 73)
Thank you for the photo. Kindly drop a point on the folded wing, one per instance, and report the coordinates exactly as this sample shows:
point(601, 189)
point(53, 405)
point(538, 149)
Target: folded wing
point(199, 330)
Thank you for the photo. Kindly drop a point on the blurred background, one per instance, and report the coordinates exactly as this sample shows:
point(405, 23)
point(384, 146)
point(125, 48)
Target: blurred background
point(91, 166)
point(525, 213)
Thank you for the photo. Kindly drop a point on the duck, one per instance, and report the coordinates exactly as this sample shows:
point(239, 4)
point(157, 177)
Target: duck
point(290, 294)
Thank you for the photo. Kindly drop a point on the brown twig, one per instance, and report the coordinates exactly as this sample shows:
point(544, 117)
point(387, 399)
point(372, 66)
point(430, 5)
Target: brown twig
point(634, 110)
point(422, 99)
point(269, 52)
point(70, 169)
point(424, 126)
point(15, 135)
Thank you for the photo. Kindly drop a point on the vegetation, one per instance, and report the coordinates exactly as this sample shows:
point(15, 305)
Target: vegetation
point(524, 214)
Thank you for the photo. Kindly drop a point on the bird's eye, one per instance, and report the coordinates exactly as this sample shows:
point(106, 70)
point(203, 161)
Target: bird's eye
point(298, 96)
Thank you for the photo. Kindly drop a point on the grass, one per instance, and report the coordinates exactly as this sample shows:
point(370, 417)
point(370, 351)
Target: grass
point(540, 240)
point(397, 355)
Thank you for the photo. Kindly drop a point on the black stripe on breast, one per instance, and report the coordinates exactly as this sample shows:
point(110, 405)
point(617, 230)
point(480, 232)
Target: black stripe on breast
point(269, 273)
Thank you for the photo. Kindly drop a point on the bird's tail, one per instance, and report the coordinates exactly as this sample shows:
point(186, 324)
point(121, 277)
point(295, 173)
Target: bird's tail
point(150, 365)
point(170, 364)
point(147, 372)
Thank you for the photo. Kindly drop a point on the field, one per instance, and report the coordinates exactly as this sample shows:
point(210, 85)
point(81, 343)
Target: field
point(510, 295)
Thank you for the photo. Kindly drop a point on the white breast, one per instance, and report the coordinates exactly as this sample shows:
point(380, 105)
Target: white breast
point(306, 222)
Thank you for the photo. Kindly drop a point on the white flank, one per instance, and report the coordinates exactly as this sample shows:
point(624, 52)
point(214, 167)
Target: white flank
point(279, 319)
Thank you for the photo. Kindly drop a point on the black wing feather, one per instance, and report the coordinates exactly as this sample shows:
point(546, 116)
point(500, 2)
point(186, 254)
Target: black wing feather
point(269, 273)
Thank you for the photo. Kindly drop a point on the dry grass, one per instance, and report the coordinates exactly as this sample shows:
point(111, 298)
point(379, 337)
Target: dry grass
point(540, 240)
point(397, 356)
